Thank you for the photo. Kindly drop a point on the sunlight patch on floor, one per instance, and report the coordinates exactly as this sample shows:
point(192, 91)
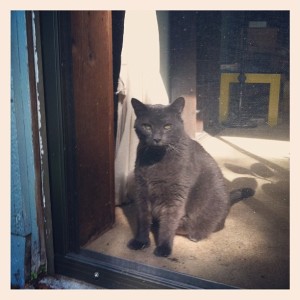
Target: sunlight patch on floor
point(261, 147)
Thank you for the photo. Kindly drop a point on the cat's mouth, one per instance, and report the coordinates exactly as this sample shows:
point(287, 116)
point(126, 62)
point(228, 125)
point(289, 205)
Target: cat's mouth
point(157, 146)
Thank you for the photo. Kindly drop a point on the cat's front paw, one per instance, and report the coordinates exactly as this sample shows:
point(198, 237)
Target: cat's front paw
point(138, 245)
point(163, 251)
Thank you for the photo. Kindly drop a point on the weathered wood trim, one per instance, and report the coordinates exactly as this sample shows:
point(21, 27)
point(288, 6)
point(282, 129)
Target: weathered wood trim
point(24, 227)
point(43, 203)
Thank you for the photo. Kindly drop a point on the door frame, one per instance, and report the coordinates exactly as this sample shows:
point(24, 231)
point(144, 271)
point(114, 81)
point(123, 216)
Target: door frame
point(69, 259)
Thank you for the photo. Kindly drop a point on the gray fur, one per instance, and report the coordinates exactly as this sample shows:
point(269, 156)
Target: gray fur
point(179, 186)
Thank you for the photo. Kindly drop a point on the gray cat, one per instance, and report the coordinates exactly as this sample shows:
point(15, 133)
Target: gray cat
point(179, 186)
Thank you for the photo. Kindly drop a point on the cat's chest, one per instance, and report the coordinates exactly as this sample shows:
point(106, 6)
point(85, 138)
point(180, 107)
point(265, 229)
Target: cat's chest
point(160, 172)
point(152, 161)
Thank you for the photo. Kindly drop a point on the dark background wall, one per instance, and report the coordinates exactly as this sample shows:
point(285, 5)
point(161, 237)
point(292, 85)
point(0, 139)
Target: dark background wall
point(202, 42)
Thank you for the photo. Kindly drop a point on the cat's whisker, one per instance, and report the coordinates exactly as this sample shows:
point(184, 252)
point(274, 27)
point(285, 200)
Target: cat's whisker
point(173, 148)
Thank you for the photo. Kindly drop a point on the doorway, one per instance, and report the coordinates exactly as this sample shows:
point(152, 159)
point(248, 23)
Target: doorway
point(90, 233)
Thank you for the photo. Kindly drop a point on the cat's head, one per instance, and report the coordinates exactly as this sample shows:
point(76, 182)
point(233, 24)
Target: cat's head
point(158, 125)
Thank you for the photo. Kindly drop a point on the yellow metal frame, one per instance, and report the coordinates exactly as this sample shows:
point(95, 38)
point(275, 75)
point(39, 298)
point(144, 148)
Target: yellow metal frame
point(272, 79)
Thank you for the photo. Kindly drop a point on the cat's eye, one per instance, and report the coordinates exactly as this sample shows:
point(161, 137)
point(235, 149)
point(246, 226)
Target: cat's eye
point(147, 127)
point(167, 126)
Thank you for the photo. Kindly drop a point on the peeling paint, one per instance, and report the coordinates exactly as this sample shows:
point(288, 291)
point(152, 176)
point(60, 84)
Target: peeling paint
point(37, 81)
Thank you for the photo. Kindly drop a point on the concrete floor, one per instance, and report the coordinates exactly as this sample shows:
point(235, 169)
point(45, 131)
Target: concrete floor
point(252, 251)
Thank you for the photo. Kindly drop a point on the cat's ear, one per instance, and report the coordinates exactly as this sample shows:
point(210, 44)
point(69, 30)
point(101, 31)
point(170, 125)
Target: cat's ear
point(178, 105)
point(138, 106)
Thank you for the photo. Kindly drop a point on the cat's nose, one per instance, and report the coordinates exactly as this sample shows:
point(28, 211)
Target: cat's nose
point(156, 140)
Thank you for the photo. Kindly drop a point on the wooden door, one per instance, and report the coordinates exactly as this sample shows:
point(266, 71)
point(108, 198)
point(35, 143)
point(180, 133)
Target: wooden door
point(91, 34)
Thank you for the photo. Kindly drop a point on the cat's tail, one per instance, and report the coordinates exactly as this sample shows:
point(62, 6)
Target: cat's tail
point(240, 194)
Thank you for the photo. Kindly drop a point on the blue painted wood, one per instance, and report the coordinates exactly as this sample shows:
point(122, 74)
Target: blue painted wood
point(20, 220)
point(18, 260)
point(23, 180)
point(20, 187)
